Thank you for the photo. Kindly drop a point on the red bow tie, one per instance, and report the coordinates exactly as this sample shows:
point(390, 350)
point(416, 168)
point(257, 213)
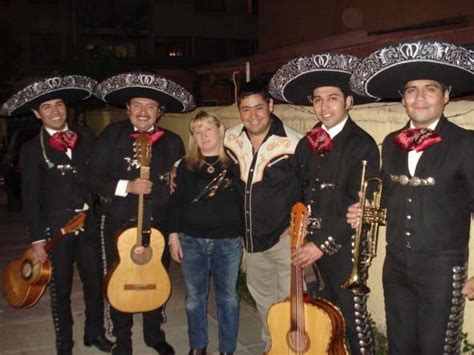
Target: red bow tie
point(319, 140)
point(417, 138)
point(63, 140)
point(154, 136)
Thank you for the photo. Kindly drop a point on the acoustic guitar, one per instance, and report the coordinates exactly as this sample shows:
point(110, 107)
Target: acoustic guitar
point(298, 325)
point(139, 282)
point(25, 281)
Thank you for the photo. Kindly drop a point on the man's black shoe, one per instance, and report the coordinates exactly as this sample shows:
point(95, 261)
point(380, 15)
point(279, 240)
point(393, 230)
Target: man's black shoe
point(122, 347)
point(163, 348)
point(64, 351)
point(100, 342)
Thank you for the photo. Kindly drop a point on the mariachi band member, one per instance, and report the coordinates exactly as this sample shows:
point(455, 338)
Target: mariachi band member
point(428, 184)
point(329, 159)
point(53, 191)
point(114, 175)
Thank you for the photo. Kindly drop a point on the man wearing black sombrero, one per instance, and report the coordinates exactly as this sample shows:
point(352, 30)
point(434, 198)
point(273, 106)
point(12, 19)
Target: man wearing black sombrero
point(53, 192)
point(115, 171)
point(428, 174)
point(330, 157)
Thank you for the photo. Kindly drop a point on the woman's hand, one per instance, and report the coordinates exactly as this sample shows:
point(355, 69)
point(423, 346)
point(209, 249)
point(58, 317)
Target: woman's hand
point(176, 251)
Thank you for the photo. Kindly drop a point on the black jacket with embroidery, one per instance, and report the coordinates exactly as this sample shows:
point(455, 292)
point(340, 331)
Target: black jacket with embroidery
point(435, 216)
point(114, 159)
point(268, 185)
point(331, 182)
point(51, 195)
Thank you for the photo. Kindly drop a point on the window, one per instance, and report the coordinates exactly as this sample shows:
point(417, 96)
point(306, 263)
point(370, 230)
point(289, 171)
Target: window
point(212, 48)
point(44, 1)
point(102, 47)
point(209, 5)
point(243, 48)
point(173, 47)
point(252, 7)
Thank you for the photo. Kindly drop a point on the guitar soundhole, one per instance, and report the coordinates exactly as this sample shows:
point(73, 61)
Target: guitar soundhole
point(141, 255)
point(298, 341)
point(27, 270)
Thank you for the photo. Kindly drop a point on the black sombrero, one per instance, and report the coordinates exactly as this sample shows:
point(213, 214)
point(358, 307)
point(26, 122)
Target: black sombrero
point(119, 89)
point(71, 88)
point(384, 72)
point(297, 79)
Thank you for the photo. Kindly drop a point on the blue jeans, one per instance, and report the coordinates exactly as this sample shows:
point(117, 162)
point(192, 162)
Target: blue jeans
point(219, 258)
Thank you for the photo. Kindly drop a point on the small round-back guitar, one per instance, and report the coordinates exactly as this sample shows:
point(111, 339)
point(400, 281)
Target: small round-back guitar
point(24, 281)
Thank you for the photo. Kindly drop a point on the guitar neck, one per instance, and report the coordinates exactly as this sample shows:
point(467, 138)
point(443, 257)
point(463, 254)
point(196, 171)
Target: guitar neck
point(296, 298)
point(53, 241)
point(144, 174)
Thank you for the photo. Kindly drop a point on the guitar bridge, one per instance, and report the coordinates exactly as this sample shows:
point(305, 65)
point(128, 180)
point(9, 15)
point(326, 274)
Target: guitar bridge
point(139, 287)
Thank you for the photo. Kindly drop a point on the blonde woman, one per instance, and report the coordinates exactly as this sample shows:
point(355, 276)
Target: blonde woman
point(205, 233)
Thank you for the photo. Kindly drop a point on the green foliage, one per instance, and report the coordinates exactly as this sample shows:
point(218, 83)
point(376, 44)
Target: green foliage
point(467, 347)
point(381, 343)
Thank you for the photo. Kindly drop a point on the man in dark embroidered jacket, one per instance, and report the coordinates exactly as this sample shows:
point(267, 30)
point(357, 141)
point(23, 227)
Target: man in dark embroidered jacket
point(330, 158)
point(115, 176)
point(53, 191)
point(428, 175)
point(262, 148)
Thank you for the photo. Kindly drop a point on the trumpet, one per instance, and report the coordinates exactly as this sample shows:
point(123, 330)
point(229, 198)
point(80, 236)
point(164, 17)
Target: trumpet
point(366, 236)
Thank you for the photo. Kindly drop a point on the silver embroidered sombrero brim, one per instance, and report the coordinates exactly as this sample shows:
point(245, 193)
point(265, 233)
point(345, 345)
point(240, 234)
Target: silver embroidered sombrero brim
point(70, 88)
point(383, 73)
point(119, 89)
point(297, 79)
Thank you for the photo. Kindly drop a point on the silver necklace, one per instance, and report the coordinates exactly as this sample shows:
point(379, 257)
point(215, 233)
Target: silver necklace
point(210, 167)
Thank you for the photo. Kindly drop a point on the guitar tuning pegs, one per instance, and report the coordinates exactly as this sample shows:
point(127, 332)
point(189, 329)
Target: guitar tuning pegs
point(79, 230)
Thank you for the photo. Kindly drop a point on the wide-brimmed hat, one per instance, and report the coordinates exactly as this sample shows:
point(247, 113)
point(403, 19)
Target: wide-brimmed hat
point(384, 72)
point(71, 89)
point(297, 79)
point(119, 89)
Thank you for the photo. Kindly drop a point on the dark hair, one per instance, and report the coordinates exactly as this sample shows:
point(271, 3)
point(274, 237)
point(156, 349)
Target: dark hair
point(37, 103)
point(444, 87)
point(253, 88)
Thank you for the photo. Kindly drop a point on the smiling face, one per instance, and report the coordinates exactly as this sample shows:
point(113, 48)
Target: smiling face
point(52, 113)
point(424, 101)
point(255, 114)
point(330, 105)
point(143, 113)
point(207, 135)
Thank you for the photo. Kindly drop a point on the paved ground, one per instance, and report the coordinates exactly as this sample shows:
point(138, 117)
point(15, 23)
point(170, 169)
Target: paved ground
point(30, 331)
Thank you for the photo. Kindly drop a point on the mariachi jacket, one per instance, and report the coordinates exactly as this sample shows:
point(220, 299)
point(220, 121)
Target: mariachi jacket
point(53, 187)
point(114, 159)
point(430, 211)
point(331, 181)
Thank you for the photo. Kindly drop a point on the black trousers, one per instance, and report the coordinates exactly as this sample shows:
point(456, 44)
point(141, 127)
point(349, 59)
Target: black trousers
point(335, 270)
point(423, 301)
point(123, 322)
point(83, 249)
